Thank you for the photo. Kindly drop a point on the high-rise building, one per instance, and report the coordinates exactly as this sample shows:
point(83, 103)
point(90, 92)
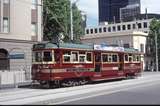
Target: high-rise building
point(112, 10)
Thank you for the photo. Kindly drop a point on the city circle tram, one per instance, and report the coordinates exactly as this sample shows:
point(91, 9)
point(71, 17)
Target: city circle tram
point(77, 64)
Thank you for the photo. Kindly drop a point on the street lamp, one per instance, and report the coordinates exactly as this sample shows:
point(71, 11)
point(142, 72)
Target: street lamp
point(71, 16)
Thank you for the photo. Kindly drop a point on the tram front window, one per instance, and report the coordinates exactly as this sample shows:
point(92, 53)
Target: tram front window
point(47, 56)
point(38, 56)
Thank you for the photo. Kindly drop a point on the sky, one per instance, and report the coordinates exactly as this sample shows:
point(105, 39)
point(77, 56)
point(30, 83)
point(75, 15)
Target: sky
point(90, 7)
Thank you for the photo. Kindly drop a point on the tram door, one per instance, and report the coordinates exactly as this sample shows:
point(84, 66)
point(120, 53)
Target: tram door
point(98, 63)
point(121, 62)
point(121, 65)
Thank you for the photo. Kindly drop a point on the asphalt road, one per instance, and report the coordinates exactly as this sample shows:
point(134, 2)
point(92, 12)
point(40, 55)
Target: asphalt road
point(142, 90)
point(147, 93)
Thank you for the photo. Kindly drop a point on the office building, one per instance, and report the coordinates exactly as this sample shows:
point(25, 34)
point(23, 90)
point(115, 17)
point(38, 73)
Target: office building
point(115, 10)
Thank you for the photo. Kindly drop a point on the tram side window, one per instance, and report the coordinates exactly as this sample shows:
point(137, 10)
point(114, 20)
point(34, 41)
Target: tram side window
point(134, 58)
point(67, 56)
point(114, 58)
point(110, 58)
point(98, 58)
point(138, 58)
point(38, 57)
point(74, 56)
point(47, 56)
point(126, 58)
point(105, 57)
point(89, 57)
point(130, 57)
point(82, 58)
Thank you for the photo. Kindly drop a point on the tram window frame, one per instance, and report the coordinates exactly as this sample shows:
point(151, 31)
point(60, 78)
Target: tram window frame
point(138, 59)
point(51, 55)
point(117, 58)
point(89, 60)
point(76, 58)
point(110, 58)
point(134, 58)
point(35, 55)
point(107, 57)
point(126, 58)
point(82, 55)
point(130, 58)
point(68, 55)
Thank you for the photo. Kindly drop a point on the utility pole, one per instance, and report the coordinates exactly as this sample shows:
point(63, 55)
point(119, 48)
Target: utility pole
point(71, 13)
point(71, 16)
point(157, 70)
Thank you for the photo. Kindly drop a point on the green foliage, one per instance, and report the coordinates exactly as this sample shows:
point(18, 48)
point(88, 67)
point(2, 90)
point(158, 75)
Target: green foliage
point(154, 30)
point(56, 20)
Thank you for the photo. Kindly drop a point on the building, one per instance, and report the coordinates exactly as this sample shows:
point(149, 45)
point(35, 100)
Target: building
point(20, 28)
point(112, 10)
point(129, 11)
point(127, 34)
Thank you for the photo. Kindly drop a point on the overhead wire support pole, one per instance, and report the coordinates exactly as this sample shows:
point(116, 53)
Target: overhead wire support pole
point(157, 70)
point(71, 16)
point(71, 13)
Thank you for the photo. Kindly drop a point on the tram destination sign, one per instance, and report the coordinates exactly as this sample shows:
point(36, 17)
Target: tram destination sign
point(108, 48)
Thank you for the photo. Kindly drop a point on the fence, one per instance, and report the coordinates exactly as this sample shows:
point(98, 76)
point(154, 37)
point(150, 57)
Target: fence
point(11, 78)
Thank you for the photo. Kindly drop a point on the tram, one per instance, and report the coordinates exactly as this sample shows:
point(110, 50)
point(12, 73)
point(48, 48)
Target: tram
point(69, 64)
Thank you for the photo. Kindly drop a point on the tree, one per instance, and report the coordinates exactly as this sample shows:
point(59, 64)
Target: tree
point(78, 29)
point(154, 30)
point(56, 20)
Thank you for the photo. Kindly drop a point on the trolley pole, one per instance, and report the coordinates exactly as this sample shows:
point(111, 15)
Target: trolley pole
point(157, 70)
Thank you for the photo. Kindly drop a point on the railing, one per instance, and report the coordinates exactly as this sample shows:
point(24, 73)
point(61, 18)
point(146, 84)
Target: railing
point(15, 78)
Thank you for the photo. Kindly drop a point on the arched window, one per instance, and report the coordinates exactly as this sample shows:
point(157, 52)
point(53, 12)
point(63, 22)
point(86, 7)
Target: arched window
point(4, 60)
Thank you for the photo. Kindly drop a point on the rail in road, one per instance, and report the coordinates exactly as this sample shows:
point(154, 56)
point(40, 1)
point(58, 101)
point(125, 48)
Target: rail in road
point(23, 96)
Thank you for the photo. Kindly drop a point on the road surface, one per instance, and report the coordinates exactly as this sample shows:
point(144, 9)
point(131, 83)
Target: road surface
point(143, 90)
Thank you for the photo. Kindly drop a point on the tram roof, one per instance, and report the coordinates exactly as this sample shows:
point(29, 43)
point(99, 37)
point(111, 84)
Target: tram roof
point(84, 47)
point(62, 45)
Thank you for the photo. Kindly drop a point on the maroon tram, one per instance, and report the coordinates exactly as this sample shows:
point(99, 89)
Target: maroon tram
point(76, 64)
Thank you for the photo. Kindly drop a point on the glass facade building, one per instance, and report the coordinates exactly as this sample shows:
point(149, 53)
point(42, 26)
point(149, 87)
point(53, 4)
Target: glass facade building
point(112, 10)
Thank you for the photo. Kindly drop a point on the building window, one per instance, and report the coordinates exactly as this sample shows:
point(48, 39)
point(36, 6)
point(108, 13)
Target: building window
point(34, 31)
point(129, 26)
point(5, 25)
point(126, 46)
point(109, 29)
point(124, 27)
point(119, 28)
point(100, 30)
point(87, 31)
point(95, 30)
point(145, 25)
point(104, 29)
point(34, 4)
point(91, 31)
point(134, 26)
point(139, 25)
point(6, 1)
point(114, 28)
